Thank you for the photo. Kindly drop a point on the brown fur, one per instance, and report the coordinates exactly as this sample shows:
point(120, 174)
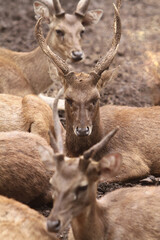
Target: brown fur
point(29, 114)
point(125, 214)
point(137, 140)
point(23, 176)
point(17, 221)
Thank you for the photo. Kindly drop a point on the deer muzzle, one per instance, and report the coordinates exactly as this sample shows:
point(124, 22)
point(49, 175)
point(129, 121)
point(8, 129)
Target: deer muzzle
point(77, 55)
point(53, 226)
point(83, 132)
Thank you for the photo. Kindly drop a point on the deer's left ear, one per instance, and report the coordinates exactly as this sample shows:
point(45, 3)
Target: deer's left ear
point(107, 76)
point(92, 17)
point(110, 164)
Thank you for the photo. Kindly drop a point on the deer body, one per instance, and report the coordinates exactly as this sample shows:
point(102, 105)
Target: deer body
point(138, 131)
point(23, 175)
point(28, 72)
point(18, 221)
point(29, 114)
point(24, 73)
point(123, 214)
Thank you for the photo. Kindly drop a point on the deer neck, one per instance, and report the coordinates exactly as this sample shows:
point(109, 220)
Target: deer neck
point(75, 146)
point(89, 225)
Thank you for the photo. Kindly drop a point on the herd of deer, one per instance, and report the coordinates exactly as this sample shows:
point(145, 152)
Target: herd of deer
point(41, 161)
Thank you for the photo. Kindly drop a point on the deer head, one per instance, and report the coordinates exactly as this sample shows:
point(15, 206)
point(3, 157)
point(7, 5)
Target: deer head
point(80, 89)
point(66, 30)
point(73, 182)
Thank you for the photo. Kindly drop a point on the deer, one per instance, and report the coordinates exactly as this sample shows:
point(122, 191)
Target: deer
point(86, 122)
point(23, 176)
point(126, 213)
point(23, 73)
point(28, 114)
point(18, 221)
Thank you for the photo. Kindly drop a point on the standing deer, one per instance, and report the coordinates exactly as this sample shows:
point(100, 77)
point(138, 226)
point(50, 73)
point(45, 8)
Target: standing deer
point(86, 123)
point(129, 213)
point(18, 221)
point(23, 175)
point(24, 73)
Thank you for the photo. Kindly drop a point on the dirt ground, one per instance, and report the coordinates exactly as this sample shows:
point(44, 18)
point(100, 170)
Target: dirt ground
point(138, 56)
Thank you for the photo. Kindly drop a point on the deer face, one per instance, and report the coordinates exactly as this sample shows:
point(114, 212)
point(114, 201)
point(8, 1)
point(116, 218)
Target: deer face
point(74, 188)
point(70, 188)
point(66, 30)
point(81, 104)
point(65, 37)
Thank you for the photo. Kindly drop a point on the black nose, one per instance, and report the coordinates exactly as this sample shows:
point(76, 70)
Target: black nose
point(82, 131)
point(53, 226)
point(77, 55)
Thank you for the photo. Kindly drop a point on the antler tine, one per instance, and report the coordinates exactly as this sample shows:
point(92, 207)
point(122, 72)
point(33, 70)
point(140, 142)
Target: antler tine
point(90, 153)
point(56, 121)
point(59, 11)
point(118, 4)
point(59, 62)
point(82, 7)
point(104, 63)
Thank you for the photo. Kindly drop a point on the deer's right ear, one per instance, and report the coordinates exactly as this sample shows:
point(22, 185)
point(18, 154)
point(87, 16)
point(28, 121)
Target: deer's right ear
point(42, 10)
point(46, 155)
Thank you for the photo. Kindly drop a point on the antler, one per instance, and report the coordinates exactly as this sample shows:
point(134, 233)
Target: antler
point(57, 142)
point(91, 152)
point(104, 63)
point(59, 11)
point(59, 62)
point(82, 7)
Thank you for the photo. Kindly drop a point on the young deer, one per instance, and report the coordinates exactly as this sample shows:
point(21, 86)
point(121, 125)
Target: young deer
point(86, 123)
point(18, 221)
point(23, 175)
point(129, 213)
point(28, 72)
point(29, 114)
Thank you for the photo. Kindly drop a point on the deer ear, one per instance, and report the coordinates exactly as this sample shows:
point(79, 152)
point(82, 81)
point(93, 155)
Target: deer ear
point(109, 165)
point(92, 17)
point(106, 77)
point(42, 10)
point(46, 155)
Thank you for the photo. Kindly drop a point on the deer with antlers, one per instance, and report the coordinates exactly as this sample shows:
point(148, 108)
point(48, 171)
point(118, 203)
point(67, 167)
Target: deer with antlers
point(23, 73)
point(128, 213)
point(86, 123)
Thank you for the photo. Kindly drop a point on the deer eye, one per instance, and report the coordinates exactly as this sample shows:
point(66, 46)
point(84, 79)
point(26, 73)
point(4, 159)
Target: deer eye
point(81, 33)
point(60, 33)
point(81, 188)
point(69, 101)
point(94, 101)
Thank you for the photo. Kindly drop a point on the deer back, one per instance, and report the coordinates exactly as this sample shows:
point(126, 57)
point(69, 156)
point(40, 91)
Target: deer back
point(23, 176)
